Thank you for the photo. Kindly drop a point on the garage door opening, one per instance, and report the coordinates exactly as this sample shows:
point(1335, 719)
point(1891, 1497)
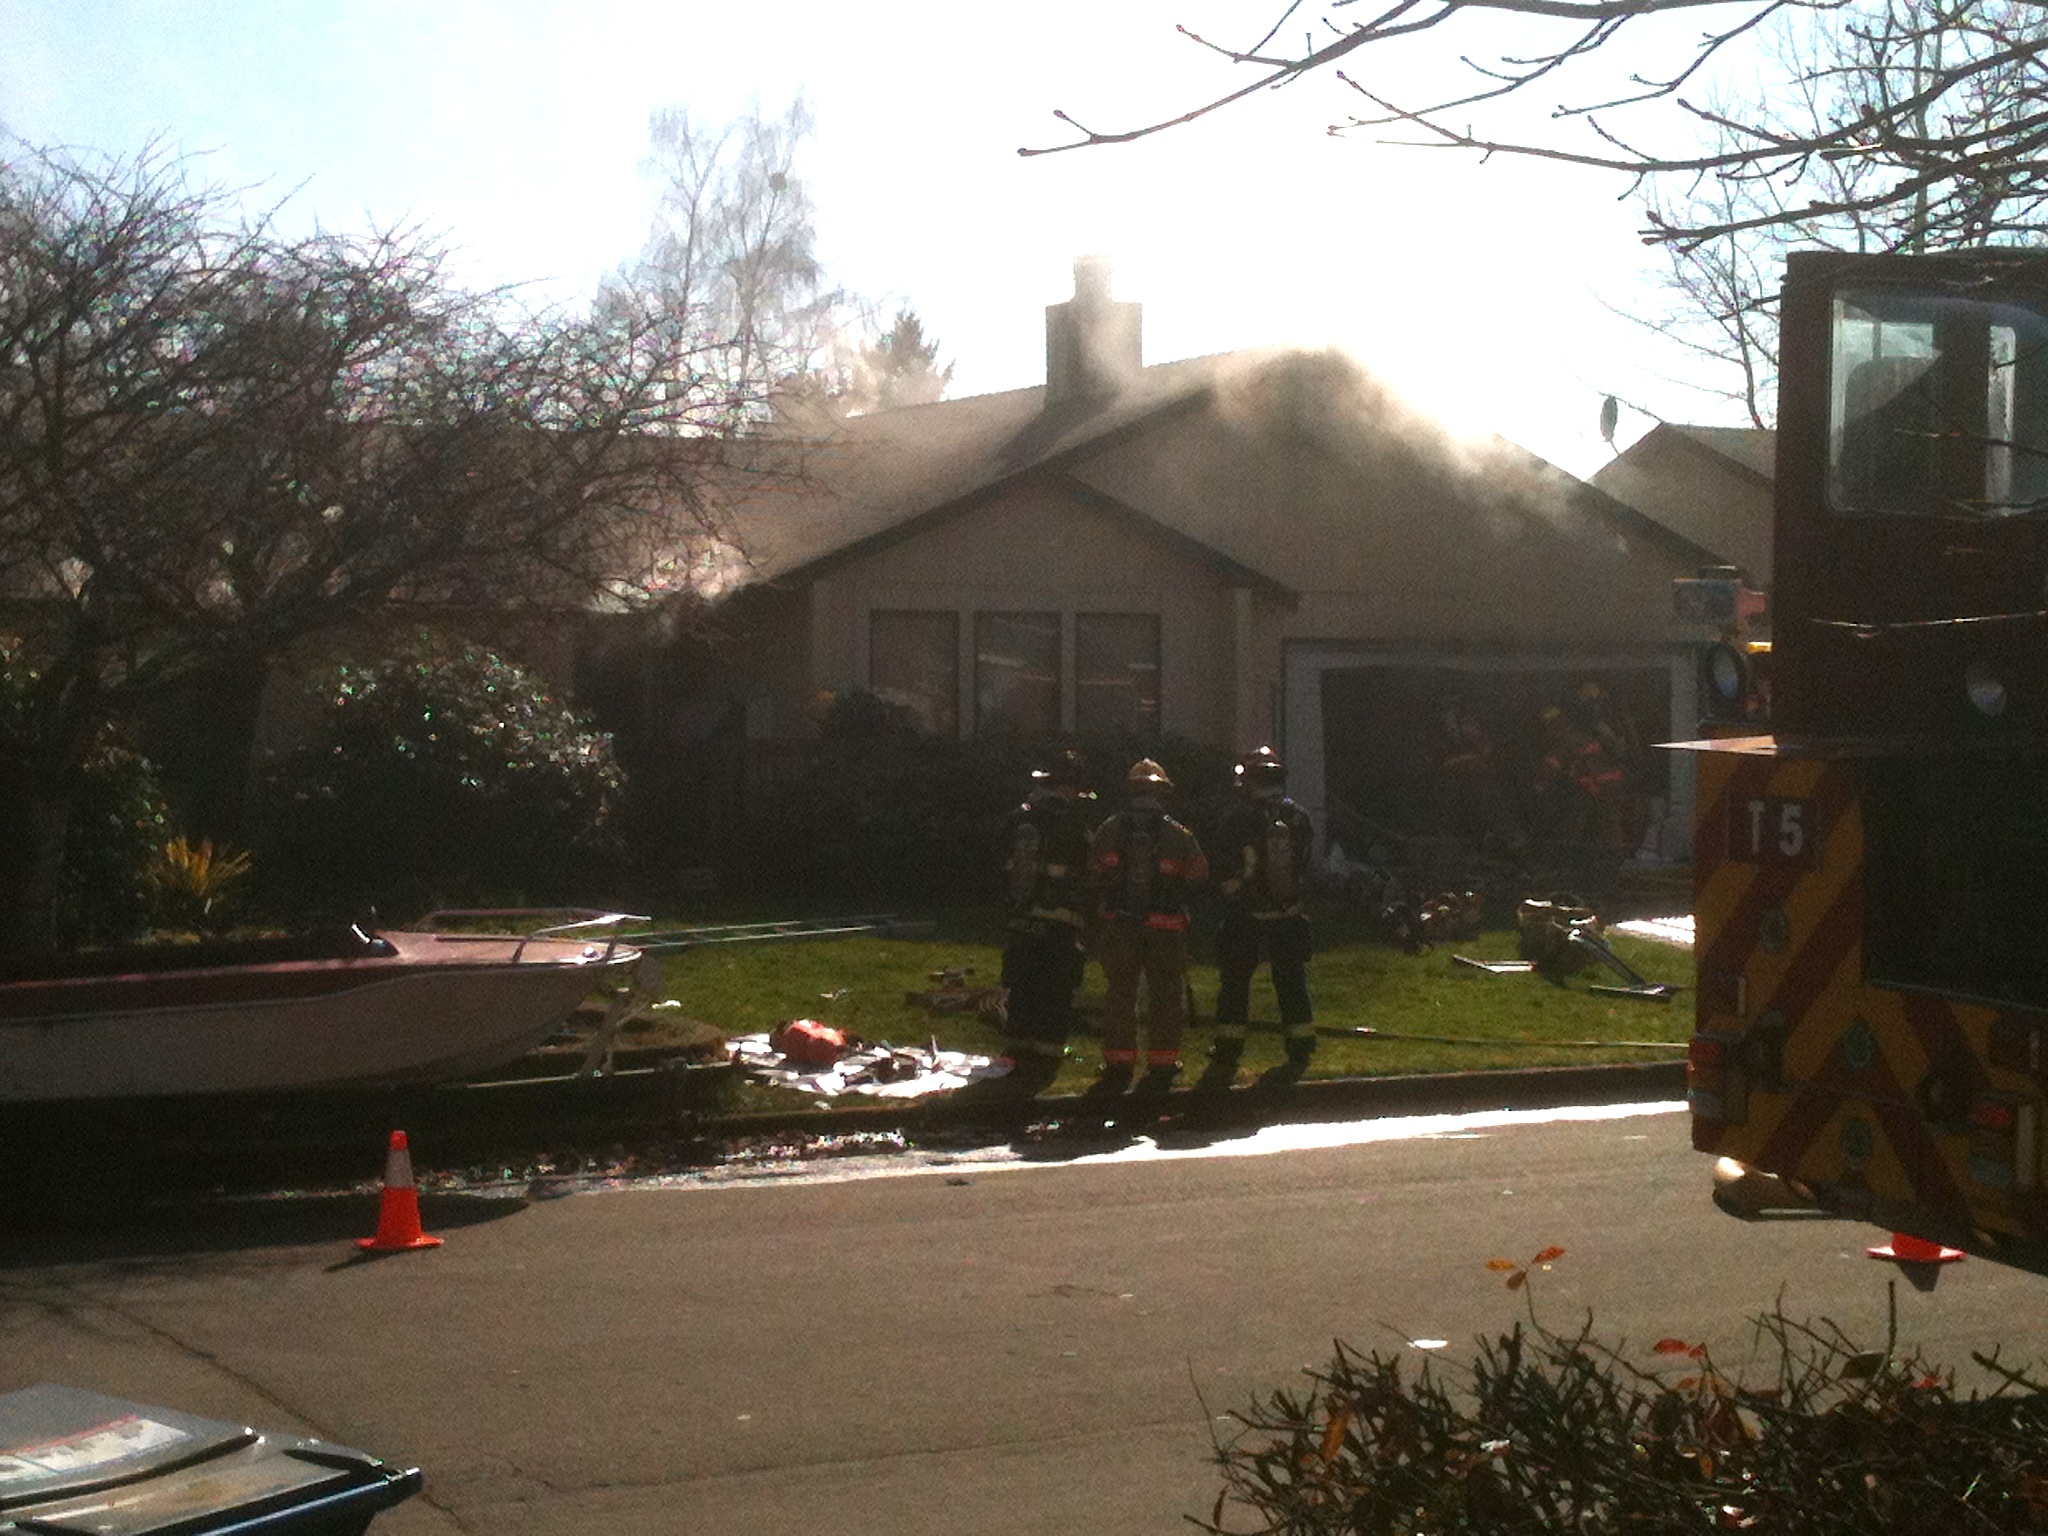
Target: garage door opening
point(1518, 764)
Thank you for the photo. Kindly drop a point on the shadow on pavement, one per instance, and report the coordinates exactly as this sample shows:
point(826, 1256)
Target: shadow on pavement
point(181, 1228)
point(1188, 1118)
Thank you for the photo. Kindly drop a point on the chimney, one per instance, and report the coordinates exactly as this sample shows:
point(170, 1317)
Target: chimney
point(1092, 345)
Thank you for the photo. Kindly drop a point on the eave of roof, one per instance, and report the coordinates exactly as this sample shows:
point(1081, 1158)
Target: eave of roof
point(1051, 444)
point(1645, 526)
point(1741, 447)
point(1046, 445)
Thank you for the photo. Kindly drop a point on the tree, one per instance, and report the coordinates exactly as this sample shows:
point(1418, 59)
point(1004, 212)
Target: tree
point(899, 368)
point(118, 823)
point(1957, 110)
point(440, 772)
point(1728, 283)
point(216, 441)
point(730, 273)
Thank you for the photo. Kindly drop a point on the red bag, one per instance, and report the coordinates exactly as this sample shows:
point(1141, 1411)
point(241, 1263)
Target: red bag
point(807, 1043)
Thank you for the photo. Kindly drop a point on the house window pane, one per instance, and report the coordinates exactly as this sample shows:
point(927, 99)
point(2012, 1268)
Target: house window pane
point(1017, 673)
point(914, 663)
point(1116, 673)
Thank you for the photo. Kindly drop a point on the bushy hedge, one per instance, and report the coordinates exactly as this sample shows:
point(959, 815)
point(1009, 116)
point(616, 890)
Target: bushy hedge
point(442, 774)
point(885, 814)
point(117, 823)
point(1551, 1433)
point(118, 826)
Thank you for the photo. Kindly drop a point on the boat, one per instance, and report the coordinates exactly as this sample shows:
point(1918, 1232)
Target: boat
point(347, 1008)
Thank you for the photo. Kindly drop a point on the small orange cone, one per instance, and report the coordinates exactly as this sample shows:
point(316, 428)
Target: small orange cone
point(1904, 1248)
point(398, 1217)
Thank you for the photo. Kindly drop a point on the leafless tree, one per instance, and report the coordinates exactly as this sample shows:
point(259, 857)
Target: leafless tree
point(1942, 140)
point(216, 441)
point(730, 274)
point(1724, 313)
point(1727, 283)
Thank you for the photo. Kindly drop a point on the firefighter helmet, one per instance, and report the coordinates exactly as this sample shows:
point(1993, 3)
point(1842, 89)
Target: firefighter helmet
point(1146, 774)
point(1258, 769)
point(1066, 769)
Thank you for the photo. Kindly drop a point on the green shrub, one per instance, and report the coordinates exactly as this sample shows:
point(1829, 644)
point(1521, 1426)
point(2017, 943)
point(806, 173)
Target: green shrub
point(117, 819)
point(1549, 1433)
point(117, 825)
point(885, 814)
point(444, 773)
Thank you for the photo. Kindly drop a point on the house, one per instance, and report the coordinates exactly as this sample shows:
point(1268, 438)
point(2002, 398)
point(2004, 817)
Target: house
point(1712, 485)
point(1261, 546)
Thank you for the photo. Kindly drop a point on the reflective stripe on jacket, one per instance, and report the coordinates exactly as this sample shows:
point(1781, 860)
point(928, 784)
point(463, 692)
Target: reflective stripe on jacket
point(1145, 862)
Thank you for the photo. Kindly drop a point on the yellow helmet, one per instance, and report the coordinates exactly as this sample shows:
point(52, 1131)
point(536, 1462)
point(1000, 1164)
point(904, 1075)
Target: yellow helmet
point(1146, 774)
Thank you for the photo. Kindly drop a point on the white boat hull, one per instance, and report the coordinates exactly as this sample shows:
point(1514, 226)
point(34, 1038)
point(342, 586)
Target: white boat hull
point(443, 1007)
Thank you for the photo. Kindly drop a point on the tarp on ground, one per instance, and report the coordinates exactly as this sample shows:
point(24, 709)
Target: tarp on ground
point(879, 1069)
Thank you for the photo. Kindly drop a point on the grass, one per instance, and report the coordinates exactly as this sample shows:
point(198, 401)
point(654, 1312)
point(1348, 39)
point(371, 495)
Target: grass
point(1472, 1019)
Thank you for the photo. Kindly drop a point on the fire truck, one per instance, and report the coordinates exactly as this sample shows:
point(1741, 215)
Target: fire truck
point(1872, 874)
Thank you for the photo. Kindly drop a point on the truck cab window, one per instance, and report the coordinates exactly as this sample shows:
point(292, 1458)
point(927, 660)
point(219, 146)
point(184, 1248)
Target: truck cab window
point(1938, 406)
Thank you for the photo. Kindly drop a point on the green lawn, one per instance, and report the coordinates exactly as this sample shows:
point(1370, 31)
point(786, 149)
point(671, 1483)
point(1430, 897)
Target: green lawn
point(1474, 1019)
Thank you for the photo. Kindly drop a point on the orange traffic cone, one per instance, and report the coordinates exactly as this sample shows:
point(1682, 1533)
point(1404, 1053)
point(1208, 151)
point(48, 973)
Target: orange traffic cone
point(398, 1217)
point(1904, 1248)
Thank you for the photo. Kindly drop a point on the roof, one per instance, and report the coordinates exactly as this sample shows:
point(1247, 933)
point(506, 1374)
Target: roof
point(1201, 449)
point(1711, 484)
point(809, 498)
point(1754, 448)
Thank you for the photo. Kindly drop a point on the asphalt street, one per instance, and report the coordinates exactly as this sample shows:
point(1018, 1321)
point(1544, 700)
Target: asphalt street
point(1043, 1344)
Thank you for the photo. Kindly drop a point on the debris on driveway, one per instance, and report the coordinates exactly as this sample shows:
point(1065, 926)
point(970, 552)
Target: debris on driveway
point(954, 994)
point(880, 1069)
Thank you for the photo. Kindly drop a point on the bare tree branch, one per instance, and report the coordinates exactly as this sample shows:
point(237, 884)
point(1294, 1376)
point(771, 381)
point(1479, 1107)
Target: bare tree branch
point(1917, 181)
point(1912, 109)
point(215, 442)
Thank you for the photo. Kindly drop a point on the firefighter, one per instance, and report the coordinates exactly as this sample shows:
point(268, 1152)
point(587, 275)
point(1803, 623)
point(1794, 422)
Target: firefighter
point(1602, 758)
point(1464, 772)
point(1558, 809)
point(1047, 866)
point(1262, 865)
point(1608, 769)
point(1144, 863)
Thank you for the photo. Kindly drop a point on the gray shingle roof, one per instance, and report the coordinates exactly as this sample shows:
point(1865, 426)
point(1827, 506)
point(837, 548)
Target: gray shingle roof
point(1207, 448)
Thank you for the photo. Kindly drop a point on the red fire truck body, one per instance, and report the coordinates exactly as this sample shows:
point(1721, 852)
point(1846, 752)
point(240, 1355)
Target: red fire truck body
point(1872, 876)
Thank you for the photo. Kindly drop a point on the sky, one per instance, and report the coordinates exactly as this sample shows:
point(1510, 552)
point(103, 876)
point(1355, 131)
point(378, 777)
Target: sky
point(1508, 296)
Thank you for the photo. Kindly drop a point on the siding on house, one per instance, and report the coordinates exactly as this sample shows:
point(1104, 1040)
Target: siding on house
point(1031, 550)
point(1712, 485)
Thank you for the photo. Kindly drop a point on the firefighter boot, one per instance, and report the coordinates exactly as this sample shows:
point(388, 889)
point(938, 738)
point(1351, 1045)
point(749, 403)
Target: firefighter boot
point(1114, 1082)
point(1155, 1086)
point(1032, 1073)
point(1290, 1071)
point(1221, 1071)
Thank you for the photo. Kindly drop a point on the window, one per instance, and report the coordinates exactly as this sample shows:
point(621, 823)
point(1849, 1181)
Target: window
point(1938, 406)
point(1017, 674)
point(1021, 677)
point(1116, 673)
point(914, 664)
